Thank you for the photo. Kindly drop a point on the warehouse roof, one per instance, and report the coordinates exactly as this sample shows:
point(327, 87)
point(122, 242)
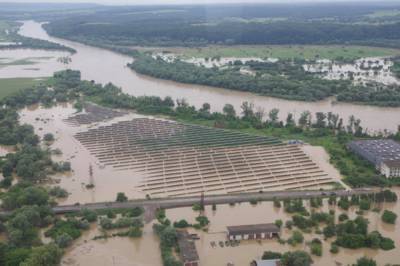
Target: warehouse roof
point(253, 228)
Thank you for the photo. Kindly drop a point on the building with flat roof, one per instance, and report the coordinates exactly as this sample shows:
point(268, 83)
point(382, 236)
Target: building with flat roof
point(383, 153)
point(253, 231)
point(390, 168)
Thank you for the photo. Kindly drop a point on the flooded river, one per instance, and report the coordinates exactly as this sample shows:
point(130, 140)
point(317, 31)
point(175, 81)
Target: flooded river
point(105, 66)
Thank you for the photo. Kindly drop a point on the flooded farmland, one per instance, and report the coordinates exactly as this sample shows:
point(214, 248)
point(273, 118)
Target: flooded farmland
point(105, 66)
point(107, 182)
point(29, 63)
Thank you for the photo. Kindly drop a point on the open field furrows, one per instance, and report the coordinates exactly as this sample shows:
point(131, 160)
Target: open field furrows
point(179, 159)
point(93, 113)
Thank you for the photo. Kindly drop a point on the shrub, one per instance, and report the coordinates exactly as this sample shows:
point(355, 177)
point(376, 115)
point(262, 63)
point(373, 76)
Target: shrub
point(278, 223)
point(48, 137)
point(389, 217)
point(334, 249)
point(135, 232)
point(364, 261)
point(270, 255)
point(181, 224)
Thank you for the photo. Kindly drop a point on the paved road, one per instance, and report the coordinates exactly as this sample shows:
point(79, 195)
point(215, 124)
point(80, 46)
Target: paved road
point(169, 203)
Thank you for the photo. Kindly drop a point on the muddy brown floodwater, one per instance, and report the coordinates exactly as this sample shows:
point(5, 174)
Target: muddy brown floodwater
point(105, 66)
point(145, 251)
point(107, 181)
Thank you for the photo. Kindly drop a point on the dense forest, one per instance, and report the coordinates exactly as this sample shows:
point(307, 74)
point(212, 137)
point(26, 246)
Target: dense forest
point(234, 24)
point(285, 79)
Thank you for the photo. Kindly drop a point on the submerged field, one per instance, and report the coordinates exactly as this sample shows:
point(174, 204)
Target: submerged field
point(289, 51)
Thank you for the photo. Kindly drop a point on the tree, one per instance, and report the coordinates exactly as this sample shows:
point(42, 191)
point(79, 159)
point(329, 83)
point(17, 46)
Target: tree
point(48, 137)
point(273, 116)
point(47, 255)
point(305, 119)
point(389, 217)
point(229, 111)
point(64, 240)
point(296, 258)
point(278, 223)
point(121, 197)
point(364, 261)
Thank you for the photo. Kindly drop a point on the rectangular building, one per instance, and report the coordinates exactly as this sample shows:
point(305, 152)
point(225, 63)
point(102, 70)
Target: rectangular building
point(390, 168)
point(254, 231)
point(383, 153)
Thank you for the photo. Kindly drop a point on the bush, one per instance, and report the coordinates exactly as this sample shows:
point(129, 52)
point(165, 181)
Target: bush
point(296, 238)
point(181, 224)
point(48, 137)
point(334, 249)
point(90, 216)
point(278, 223)
point(135, 232)
point(364, 261)
point(58, 192)
point(63, 240)
point(389, 217)
point(296, 258)
point(365, 204)
point(270, 255)
point(136, 212)
point(387, 243)
point(343, 217)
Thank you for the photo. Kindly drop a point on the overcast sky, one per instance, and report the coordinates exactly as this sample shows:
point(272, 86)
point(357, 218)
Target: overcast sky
point(146, 2)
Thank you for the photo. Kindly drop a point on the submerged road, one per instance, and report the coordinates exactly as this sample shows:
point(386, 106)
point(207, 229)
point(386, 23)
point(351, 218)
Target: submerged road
point(169, 203)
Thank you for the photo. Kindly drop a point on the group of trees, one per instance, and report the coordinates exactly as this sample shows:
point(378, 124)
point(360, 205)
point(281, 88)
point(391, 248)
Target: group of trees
point(281, 80)
point(326, 129)
point(244, 24)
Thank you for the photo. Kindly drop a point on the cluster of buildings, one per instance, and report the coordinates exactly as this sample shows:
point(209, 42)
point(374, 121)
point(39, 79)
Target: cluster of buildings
point(383, 153)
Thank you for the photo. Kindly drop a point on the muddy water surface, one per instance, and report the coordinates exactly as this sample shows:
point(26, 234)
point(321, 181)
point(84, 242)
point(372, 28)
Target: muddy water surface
point(124, 251)
point(30, 63)
point(105, 66)
point(107, 181)
point(244, 213)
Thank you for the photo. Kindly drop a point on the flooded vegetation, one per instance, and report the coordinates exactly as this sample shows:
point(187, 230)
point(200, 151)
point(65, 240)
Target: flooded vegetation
point(114, 152)
point(90, 60)
point(362, 71)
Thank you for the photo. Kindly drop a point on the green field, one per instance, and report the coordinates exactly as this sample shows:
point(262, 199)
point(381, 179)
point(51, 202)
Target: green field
point(5, 25)
point(287, 52)
point(10, 85)
point(384, 13)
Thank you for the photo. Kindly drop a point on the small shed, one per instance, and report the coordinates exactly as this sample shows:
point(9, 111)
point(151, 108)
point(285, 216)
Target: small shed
point(253, 231)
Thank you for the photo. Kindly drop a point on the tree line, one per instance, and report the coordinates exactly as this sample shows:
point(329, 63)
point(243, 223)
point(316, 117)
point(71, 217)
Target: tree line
point(286, 80)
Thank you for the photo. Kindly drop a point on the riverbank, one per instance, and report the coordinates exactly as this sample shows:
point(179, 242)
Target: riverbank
point(90, 61)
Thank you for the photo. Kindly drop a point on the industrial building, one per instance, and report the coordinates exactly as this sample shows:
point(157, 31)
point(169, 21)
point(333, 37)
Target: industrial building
point(254, 231)
point(383, 153)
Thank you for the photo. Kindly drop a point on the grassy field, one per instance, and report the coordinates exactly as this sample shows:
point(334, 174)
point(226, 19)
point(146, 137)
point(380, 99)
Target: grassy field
point(11, 85)
point(384, 13)
point(4, 25)
point(287, 52)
